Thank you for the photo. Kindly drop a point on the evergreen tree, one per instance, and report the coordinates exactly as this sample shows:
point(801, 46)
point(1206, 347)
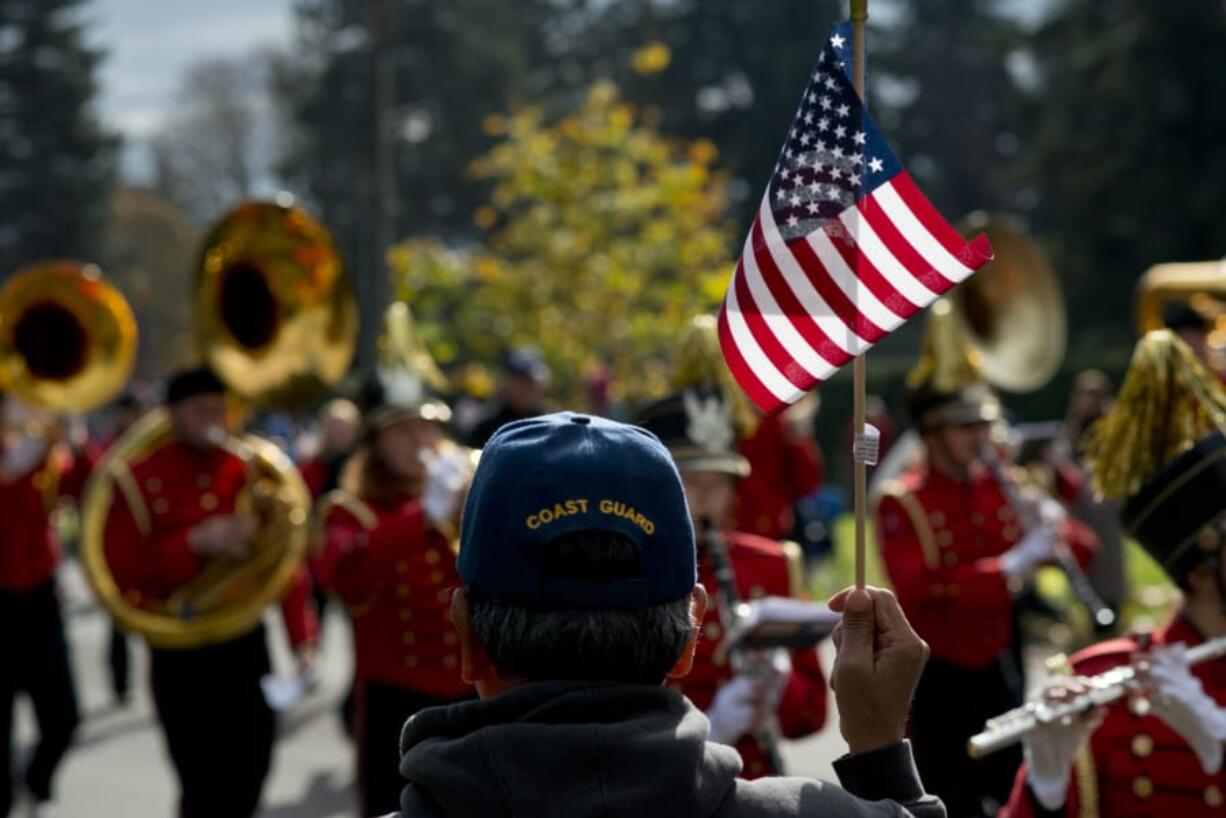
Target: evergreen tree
point(941, 89)
point(56, 161)
point(1127, 164)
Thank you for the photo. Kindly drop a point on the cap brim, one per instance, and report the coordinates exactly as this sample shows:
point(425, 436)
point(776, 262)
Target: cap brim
point(723, 462)
point(385, 416)
point(961, 414)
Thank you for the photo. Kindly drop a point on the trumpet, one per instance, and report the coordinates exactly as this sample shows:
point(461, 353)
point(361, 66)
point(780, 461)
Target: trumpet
point(1028, 514)
point(1009, 728)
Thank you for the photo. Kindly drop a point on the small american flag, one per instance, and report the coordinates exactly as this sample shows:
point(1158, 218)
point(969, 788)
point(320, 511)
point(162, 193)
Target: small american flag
point(843, 250)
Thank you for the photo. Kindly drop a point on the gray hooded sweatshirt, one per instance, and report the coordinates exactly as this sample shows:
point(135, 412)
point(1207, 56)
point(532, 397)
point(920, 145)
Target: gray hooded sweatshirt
point(600, 750)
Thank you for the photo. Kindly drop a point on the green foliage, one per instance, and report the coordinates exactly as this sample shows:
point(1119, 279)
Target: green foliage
point(56, 161)
point(1127, 157)
point(455, 63)
point(942, 92)
point(603, 240)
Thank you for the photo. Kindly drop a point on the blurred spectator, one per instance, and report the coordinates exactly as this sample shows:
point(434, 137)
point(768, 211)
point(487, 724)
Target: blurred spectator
point(340, 426)
point(525, 385)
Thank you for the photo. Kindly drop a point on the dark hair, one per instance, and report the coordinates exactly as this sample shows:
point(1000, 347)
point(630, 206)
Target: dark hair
point(365, 474)
point(635, 645)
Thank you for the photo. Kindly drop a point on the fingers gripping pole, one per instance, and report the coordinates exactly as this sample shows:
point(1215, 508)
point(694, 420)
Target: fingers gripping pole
point(859, 15)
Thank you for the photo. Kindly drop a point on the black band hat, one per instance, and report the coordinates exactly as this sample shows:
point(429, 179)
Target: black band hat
point(696, 426)
point(188, 383)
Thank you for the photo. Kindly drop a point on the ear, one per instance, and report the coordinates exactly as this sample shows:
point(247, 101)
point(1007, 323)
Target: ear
point(475, 665)
point(698, 609)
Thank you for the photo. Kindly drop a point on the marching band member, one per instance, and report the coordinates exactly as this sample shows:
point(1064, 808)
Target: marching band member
point(1161, 451)
point(35, 472)
point(955, 551)
point(388, 555)
point(785, 464)
point(174, 513)
point(697, 428)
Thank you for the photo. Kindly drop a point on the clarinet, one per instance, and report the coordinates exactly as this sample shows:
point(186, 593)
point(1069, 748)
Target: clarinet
point(1029, 515)
point(744, 662)
point(1009, 728)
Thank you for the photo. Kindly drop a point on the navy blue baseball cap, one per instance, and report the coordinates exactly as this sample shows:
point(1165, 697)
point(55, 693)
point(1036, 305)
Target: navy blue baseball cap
point(562, 473)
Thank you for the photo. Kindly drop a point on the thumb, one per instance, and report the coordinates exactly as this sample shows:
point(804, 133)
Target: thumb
point(859, 626)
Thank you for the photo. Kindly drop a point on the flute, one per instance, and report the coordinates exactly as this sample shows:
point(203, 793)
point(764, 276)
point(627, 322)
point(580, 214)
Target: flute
point(1009, 728)
point(1028, 513)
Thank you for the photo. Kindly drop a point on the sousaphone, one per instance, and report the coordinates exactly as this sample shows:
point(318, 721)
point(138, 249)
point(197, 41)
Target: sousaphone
point(275, 318)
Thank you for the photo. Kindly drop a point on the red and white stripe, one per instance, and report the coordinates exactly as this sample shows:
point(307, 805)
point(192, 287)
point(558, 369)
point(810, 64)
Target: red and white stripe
point(796, 312)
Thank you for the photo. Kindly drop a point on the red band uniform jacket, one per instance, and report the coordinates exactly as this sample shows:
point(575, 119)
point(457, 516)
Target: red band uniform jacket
point(157, 501)
point(1135, 766)
point(395, 574)
point(762, 568)
point(31, 548)
point(941, 542)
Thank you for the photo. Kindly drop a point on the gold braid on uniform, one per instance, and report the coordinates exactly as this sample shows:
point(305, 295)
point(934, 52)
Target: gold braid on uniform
point(1168, 401)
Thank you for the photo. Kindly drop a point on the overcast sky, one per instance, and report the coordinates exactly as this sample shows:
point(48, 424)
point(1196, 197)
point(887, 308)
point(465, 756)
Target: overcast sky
point(150, 42)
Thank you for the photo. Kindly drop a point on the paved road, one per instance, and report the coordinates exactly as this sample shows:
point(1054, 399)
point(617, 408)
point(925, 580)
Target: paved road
point(118, 769)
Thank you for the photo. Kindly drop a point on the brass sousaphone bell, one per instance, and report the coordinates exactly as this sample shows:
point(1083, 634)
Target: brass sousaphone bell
point(67, 337)
point(1012, 311)
point(276, 320)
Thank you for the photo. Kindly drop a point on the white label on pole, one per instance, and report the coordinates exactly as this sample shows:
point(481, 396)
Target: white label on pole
point(866, 445)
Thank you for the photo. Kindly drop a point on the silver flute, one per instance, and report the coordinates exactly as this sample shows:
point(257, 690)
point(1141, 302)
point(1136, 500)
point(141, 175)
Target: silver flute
point(1112, 685)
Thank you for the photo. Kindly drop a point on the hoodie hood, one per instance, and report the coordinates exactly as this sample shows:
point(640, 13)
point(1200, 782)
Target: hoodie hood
point(567, 749)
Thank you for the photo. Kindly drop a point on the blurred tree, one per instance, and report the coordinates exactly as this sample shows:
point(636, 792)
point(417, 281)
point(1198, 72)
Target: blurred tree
point(149, 250)
point(604, 238)
point(942, 90)
point(212, 151)
point(724, 70)
point(455, 63)
point(56, 161)
point(1127, 164)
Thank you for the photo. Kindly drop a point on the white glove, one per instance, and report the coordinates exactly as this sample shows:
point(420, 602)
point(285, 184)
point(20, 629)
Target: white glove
point(1051, 748)
point(1032, 551)
point(1051, 512)
point(733, 711)
point(1179, 699)
point(445, 478)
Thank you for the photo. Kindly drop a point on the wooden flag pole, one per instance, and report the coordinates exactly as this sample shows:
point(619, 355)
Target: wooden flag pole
point(859, 16)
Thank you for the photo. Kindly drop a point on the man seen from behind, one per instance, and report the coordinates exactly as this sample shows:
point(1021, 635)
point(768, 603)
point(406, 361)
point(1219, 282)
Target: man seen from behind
point(580, 600)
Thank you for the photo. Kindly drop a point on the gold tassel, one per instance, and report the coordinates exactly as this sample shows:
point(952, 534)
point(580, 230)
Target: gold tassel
point(948, 361)
point(700, 362)
point(1169, 400)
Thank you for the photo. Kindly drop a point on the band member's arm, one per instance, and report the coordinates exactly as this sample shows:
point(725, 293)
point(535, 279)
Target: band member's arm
point(920, 573)
point(142, 560)
point(1081, 539)
point(298, 611)
point(1023, 803)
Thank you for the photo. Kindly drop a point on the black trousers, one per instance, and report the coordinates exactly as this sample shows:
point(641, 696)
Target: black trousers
point(951, 704)
point(119, 662)
point(381, 711)
point(34, 660)
point(219, 730)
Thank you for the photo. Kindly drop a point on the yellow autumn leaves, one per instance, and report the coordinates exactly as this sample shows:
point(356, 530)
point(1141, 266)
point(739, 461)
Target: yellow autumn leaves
point(599, 240)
